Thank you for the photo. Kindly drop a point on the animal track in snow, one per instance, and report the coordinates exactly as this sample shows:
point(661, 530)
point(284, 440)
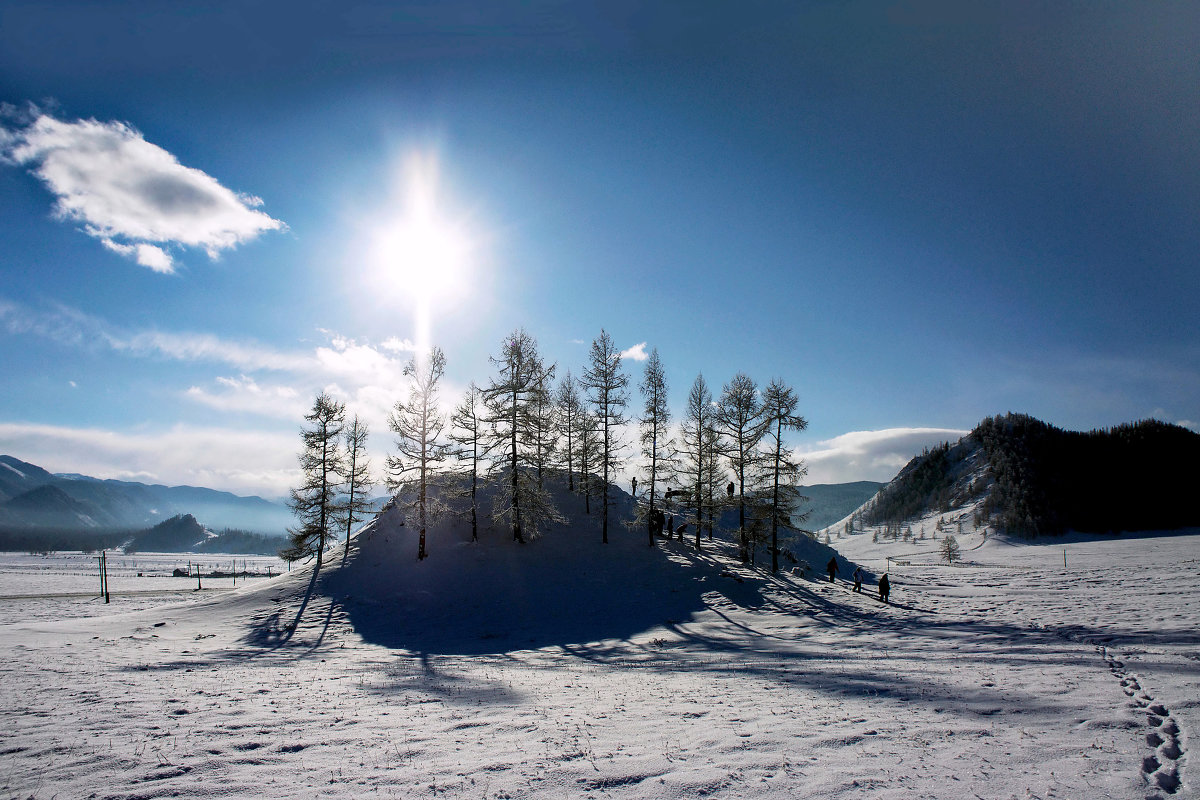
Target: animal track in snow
point(1162, 767)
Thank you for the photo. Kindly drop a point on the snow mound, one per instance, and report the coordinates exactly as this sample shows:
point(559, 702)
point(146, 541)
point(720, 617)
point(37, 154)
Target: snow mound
point(566, 587)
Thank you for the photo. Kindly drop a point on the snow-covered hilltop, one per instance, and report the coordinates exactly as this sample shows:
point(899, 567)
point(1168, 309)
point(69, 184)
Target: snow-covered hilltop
point(565, 585)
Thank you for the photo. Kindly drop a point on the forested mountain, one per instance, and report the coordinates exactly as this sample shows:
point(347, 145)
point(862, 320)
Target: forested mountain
point(1027, 477)
point(31, 497)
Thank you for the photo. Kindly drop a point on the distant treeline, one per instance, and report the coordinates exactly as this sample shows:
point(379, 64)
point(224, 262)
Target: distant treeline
point(1040, 479)
point(40, 540)
point(232, 540)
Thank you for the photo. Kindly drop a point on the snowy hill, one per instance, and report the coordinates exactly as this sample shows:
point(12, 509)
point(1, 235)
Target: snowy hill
point(566, 585)
point(1019, 475)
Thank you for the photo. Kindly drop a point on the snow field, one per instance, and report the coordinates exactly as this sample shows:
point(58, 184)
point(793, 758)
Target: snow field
point(1007, 677)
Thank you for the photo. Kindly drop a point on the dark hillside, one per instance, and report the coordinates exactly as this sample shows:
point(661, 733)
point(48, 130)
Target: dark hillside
point(1137, 476)
point(1035, 479)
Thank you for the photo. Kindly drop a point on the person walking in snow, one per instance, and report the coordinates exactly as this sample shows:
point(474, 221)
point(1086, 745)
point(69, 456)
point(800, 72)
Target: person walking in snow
point(858, 579)
point(831, 568)
point(885, 588)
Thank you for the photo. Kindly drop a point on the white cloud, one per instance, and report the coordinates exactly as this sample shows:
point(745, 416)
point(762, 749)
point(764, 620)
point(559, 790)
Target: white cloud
point(870, 455)
point(131, 194)
point(145, 254)
point(244, 394)
point(399, 345)
point(636, 353)
point(189, 346)
point(240, 461)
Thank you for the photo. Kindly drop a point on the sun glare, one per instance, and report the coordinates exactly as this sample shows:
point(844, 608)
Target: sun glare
point(421, 254)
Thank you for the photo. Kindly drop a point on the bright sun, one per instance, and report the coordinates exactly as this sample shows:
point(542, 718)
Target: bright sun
point(419, 252)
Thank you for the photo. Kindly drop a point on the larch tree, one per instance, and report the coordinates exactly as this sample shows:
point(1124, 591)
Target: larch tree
point(606, 386)
point(779, 415)
point(358, 480)
point(739, 421)
point(950, 549)
point(315, 501)
point(588, 454)
point(468, 431)
point(543, 422)
point(421, 452)
point(569, 406)
point(510, 399)
point(658, 452)
point(696, 435)
point(714, 474)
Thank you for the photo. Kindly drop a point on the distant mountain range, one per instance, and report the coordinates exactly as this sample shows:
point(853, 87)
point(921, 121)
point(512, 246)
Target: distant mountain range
point(829, 502)
point(1023, 476)
point(32, 498)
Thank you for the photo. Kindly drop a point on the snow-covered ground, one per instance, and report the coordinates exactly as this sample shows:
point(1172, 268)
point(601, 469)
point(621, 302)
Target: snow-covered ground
point(62, 585)
point(567, 668)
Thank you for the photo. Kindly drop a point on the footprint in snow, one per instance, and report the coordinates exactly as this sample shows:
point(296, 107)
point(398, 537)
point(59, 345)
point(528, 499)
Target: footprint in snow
point(1162, 767)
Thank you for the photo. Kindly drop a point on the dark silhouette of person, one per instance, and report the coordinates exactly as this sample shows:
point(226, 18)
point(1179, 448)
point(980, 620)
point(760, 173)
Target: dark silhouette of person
point(635, 486)
point(885, 588)
point(670, 526)
point(729, 488)
point(831, 568)
point(858, 578)
point(659, 522)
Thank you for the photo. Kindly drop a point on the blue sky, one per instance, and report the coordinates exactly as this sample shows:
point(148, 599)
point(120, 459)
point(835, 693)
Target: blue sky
point(917, 214)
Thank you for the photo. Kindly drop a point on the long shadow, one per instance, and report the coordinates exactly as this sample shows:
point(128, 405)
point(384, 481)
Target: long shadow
point(574, 604)
point(271, 634)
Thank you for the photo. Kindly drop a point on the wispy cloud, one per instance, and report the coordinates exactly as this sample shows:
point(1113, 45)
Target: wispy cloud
point(870, 455)
point(369, 378)
point(245, 394)
point(636, 353)
point(131, 194)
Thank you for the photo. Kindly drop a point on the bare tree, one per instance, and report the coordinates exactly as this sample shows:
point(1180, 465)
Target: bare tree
point(950, 549)
point(589, 454)
point(567, 400)
point(314, 502)
point(657, 446)
point(739, 421)
point(510, 399)
point(418, 426)
point(713, 473)
point(606, 385)
point(780, 417)
point(358, 479)
point(697, 437)
point(469, 433)
point(543, 427)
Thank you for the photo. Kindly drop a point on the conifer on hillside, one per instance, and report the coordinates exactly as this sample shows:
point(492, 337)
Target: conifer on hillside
point(314, 502)
point(606, 386)
point(418, 424)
